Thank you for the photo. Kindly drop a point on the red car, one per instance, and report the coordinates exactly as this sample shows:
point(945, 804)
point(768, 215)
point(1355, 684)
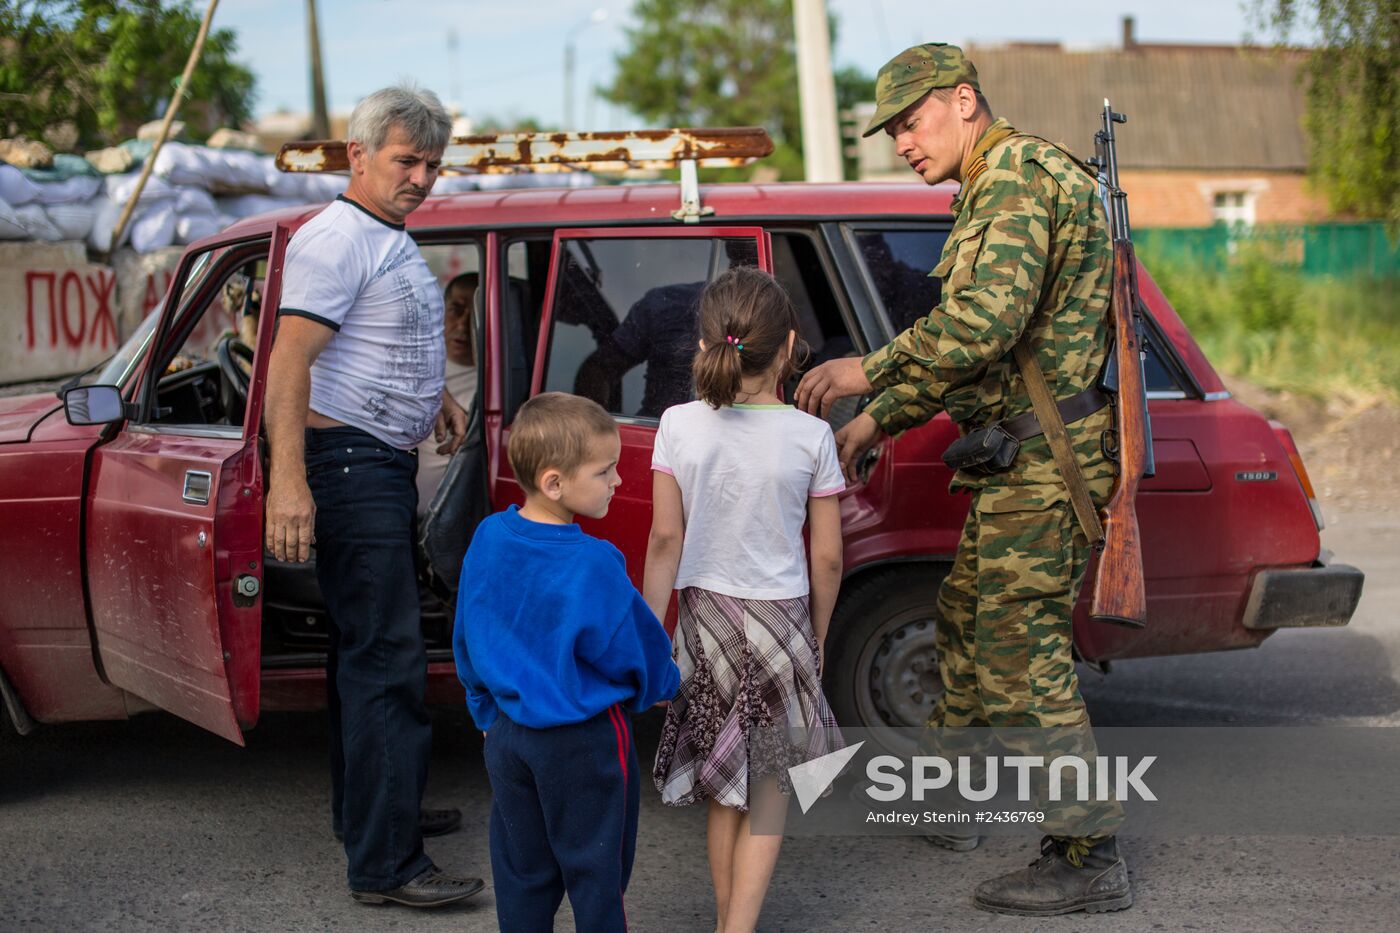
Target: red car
point(132, 545)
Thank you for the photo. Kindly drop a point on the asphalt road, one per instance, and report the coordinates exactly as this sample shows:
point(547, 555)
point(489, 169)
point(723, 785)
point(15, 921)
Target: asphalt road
point(153, 824)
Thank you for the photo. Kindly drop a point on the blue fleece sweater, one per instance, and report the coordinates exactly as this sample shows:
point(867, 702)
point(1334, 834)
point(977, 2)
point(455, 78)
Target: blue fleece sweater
point(550, 630)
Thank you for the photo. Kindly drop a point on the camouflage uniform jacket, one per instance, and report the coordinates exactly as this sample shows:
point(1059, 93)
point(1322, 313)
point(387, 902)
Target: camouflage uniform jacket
point(1029, 254)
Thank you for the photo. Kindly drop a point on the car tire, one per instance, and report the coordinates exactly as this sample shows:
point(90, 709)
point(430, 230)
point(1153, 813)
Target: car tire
point(882, 666)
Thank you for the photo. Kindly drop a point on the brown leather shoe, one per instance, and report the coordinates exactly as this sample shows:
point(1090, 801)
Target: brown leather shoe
point(433, 888)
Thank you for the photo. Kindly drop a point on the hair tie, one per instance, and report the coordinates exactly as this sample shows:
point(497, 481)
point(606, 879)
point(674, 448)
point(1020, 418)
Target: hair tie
point(730, 339)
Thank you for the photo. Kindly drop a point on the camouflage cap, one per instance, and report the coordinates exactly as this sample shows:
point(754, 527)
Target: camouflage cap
point(912, 73)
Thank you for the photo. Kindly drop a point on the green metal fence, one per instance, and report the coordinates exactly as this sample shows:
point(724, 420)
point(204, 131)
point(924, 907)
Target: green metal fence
point(1359, 249)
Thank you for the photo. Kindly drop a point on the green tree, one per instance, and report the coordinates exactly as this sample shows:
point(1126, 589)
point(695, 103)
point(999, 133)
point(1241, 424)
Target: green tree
point(1353, 98)
point(105, 67)
point(715, 63)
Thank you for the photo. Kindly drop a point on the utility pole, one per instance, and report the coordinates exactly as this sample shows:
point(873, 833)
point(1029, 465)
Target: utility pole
point(821, 135)
point(597, 16)
point(320, 119)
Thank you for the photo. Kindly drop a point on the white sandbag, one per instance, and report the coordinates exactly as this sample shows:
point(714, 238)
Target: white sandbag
point(452, 184)
point(10, 227)
point(76, 188)
point(108, 212)
point(154, 229)
point(191, 227)
point(189, 200)
point(181, 164)
point(240, 169)
point(247, 205)
point(309, 187)
point(100, 239)
point(74, 220)
point(33, 219)
point(15, 189)
point(120, 187)
point(544, 180)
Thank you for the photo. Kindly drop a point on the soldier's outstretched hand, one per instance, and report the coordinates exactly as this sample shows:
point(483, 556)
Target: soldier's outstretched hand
point(854, 441)
point(830, 381)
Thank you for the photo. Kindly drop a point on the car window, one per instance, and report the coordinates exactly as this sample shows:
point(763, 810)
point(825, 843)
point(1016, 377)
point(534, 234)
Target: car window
point(205, 357)
point(1155, 373)
point(797, 265)
point(897, 263)
point(522, 305)
point(623, 328)
point(116, 370)
point(457, 267)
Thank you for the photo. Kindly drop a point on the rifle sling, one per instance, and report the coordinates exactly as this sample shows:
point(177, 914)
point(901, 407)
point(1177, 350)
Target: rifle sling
point(1048, 414)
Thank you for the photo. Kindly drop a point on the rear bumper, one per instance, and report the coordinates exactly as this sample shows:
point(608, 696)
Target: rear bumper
point(1317, 596)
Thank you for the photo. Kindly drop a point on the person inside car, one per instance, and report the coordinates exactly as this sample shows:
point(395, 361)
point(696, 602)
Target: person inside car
point(461, 377)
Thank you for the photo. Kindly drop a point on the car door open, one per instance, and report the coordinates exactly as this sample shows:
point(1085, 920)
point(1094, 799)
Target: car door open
point(173, 530)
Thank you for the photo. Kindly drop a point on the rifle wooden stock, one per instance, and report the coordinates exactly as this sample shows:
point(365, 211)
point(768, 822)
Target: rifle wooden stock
point(1119, 593)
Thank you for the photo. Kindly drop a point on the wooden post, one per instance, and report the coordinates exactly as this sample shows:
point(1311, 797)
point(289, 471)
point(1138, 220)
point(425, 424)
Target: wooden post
point(320, 116)
point(170, 112)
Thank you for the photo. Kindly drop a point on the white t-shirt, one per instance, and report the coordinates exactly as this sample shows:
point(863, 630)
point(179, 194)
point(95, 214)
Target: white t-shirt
point(364, 278)
point(461, 382)
point(746, 473)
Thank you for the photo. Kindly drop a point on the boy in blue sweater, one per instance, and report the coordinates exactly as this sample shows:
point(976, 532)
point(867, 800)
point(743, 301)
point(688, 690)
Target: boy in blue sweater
point(554, 645)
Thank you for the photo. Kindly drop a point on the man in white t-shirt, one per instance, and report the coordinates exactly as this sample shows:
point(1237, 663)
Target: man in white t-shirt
point(355, 383)
point(459, 299)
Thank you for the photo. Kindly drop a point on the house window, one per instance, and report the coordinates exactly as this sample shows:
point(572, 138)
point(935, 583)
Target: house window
point(1233, 208)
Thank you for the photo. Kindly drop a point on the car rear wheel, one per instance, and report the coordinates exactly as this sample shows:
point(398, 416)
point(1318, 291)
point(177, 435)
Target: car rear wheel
point(882, 665)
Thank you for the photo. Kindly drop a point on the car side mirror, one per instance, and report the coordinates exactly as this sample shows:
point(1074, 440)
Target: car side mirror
point(94, 405)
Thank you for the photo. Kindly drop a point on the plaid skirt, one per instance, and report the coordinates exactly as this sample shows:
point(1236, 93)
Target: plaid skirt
point(750, 703)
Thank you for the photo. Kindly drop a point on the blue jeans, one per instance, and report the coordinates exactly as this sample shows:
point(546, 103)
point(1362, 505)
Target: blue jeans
point(376, 668)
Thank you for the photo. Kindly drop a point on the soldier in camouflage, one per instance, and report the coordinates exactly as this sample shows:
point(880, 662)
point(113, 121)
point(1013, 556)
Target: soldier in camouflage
point(1028, 259)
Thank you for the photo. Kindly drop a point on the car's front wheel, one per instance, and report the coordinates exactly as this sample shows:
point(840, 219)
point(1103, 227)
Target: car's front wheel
point(882, 665)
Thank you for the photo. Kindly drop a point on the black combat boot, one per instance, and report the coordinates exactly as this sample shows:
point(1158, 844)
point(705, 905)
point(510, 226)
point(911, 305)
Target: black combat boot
point(1068, 876)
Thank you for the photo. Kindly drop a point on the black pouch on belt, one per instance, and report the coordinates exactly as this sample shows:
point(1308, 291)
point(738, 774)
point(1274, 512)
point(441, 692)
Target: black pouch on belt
point(983, 452)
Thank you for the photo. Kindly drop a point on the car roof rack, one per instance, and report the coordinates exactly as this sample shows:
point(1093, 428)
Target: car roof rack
point(687, 149)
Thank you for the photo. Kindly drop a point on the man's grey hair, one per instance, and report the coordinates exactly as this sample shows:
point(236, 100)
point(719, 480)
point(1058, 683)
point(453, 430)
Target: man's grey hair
point(417, 111)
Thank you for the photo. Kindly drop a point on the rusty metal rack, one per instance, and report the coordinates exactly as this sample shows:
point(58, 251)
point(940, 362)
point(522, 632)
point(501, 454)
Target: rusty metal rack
point(686, 149)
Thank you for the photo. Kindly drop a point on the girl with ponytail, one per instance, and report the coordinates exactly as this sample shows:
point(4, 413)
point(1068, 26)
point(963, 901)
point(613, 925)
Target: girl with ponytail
point(736, 475)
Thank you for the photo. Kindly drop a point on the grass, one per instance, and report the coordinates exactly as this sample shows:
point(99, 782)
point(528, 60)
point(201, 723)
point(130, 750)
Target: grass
point(1319, 336)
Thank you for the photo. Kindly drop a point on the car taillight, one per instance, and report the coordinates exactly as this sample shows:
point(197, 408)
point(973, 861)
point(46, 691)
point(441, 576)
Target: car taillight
point(1296, 459)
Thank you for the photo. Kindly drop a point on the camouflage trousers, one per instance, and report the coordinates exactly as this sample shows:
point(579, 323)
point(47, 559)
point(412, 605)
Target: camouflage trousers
point(1004, 633)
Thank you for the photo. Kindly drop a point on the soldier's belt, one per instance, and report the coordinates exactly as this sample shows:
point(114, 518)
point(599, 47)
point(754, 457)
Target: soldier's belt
point(1024, 427)
point(990, 450)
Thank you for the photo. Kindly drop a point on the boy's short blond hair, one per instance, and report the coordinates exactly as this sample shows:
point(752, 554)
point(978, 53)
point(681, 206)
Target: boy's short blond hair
point(555, 429)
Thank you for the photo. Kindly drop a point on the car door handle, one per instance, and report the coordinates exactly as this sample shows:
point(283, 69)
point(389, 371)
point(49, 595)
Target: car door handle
point(197, 486)
point(867, 463)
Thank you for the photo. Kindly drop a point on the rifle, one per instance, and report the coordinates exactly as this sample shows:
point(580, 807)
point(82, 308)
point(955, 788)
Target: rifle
point(1119, 594)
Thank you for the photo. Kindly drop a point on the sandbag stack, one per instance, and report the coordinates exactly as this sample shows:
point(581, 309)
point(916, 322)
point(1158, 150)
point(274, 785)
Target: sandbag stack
point(193, 192)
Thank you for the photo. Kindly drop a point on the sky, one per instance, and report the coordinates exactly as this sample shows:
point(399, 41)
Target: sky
point(510, 55)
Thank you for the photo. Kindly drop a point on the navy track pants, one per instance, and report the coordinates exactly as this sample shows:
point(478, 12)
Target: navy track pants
point(564, 819)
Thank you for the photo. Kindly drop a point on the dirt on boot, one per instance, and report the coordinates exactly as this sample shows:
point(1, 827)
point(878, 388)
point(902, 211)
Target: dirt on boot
point(1067, 877)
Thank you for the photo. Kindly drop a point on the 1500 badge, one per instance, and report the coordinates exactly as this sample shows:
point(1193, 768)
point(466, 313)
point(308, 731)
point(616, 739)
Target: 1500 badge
point(1256, 476)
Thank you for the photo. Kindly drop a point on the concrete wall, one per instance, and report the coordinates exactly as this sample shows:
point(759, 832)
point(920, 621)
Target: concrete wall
point(61, 314)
